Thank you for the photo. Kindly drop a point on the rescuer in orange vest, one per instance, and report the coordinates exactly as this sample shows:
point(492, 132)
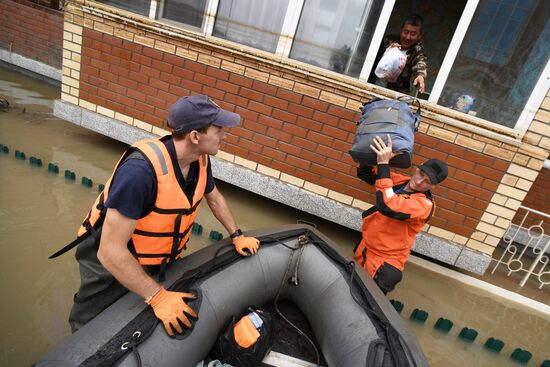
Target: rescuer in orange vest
point(403, 206)
point(141, 222)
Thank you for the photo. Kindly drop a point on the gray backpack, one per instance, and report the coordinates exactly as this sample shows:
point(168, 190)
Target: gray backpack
point(381, 117)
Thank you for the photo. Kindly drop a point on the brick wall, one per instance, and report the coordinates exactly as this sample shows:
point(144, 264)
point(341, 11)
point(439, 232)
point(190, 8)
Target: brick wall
point(298, 120)
point(30, 29)
point(537, 198)
point(285, 130)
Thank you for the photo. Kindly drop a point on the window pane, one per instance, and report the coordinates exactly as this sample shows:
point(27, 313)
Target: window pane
point(190, 12)
point(501, 59)
point(336, 35)
point(256, 23)
point(136, 6)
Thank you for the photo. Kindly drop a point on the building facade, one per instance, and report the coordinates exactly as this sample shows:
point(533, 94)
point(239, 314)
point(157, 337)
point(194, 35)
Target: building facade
point(296, 71)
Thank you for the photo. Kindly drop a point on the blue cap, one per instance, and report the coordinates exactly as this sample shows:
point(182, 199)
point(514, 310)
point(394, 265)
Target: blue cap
point(194, 112)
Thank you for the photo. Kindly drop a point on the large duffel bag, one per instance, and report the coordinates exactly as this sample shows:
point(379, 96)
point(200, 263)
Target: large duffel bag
point(381, 117)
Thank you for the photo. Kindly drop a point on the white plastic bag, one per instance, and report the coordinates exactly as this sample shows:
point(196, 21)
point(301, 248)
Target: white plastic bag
point(391, 64)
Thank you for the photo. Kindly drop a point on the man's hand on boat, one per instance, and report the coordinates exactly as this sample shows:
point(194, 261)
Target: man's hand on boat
point(171, 309)
point(246, 246)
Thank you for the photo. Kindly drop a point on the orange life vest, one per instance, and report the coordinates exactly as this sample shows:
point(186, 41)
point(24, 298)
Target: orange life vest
point(161, 235)
point(390, 227)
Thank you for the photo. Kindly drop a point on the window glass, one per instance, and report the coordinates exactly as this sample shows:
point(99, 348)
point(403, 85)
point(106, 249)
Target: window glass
point(501, 59)
point(190, 12)
point(256, 23)
point(336, 35)
point(136, 6)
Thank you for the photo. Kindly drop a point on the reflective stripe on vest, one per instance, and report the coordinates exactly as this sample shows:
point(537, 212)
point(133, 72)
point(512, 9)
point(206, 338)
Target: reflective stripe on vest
point(161, 235)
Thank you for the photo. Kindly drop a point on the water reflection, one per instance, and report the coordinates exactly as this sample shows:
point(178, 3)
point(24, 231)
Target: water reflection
point(40, 212)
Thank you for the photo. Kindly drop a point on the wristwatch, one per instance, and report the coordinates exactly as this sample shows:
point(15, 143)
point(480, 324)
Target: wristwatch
point(237, 233)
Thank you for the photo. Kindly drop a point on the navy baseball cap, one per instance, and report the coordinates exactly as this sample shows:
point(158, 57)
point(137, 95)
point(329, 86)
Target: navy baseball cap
point(194, 112)
point(435, 169)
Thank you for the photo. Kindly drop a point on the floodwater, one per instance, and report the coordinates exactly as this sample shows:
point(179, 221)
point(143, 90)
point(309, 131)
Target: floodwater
point(40, 212)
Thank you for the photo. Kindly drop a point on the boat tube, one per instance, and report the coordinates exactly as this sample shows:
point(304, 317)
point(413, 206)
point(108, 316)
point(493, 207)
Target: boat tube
point(352, 321)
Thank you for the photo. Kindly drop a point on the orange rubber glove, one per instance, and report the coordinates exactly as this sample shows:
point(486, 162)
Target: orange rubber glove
point(246, 243)
point(169, 307)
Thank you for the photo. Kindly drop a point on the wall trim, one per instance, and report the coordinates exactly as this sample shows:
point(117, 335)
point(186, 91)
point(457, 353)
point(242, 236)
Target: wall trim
point(30, 65)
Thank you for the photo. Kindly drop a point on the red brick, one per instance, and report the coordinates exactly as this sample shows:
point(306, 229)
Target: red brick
point(168, 97)
point(240, 80)
point(315, 104)
point(425, 140)
point(195, 67)
point(260, 158)
point(313, 157)
point(265, 141)
point(307, 175)
point(290, 149)
point(343, 113)
point(450, 216)
point(279, 135)
point(341, 146)
point(360, 193)
point(274, 154)
point(250, 145)
point(479, 158)
point(227, 87)
point(304, 143)
point(205, 80)
point(183, 73)
point(121, 53)
point(270, 122)
point(347, 179)
point(179, 91)
point(251, 94)
point(236, 100)
point(460, 163)
point(319, 138)
point(254, 126)
point(212, 92)
point(467, 211)
point(325, 118)
point(173, 60)
point(152, 53)
point(295, 130)
point(309, 124)
point(259, 107)
point(217, 73)
point(460, 229)
point(433, 153)
point(232, 149)
point(276, 102)
point(334, 132)
point(453, 184)
point(329, 152)
point(332, 185)
point(242, 132)
point(284, 116)
point(156, 102)
point(490, 185)
point(321, 170)
point(339, 166)
point(247, 114)
point(489, 173)
point(283, 167)
point(289, 95)
point(264, 88)
point(300, 110)
point(501, 165)
point(170, 78)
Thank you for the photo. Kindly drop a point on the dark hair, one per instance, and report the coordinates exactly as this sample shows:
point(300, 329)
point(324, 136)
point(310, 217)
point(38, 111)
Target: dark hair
point(415, 20)
point(180, 135)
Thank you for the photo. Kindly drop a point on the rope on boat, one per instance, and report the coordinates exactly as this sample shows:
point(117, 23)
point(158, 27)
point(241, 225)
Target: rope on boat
point(302, 241)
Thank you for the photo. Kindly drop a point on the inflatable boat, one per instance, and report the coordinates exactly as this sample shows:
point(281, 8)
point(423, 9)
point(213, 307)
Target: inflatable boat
point(352, 322)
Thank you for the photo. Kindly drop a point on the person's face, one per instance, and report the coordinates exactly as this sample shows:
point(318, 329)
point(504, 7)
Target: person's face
point(410, 35)
point(420, 181)
point(209, 142)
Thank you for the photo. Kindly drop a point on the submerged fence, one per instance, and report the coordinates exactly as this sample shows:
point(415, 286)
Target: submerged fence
point(535, 244)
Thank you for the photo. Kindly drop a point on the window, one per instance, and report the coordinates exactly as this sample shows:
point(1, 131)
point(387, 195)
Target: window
point(500, 60)
point(255, 23)
point(136, 6)
point(336, 35)
point(189, 12)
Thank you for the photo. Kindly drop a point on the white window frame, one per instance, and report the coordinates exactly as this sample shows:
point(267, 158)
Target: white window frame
point(290, 26)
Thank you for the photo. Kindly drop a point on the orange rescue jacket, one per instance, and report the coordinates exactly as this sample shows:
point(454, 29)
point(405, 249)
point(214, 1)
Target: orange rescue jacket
point(161, 235)
point(390, 227)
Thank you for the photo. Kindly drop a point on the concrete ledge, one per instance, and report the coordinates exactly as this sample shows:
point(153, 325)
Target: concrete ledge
point(280, 191)
point(30, 65)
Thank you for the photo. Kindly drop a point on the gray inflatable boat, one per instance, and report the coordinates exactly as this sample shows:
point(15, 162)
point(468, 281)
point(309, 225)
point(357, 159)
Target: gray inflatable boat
point(352, 321)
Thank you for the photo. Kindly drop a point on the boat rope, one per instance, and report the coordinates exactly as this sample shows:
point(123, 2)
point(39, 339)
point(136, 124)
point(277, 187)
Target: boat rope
point(302, 241)
point(133, 344)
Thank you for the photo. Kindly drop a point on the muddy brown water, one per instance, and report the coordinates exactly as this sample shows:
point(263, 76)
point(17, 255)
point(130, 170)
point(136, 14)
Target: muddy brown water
point(40, 212)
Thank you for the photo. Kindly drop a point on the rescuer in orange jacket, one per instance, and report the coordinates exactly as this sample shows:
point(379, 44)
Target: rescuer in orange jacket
point(141, 222)
point(403, 206)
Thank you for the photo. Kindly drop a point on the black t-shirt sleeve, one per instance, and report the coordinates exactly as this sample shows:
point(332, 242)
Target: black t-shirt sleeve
point(210, 182)
point(132, 191)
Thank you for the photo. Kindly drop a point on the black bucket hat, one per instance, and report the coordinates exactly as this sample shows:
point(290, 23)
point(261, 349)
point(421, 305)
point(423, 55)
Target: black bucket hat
point(435, 169)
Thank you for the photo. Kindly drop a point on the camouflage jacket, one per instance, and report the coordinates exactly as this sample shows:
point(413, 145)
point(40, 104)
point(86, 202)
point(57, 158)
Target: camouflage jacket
point(415, 66)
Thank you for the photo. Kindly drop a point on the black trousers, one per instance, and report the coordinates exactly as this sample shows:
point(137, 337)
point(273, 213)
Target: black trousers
point(387, 276)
